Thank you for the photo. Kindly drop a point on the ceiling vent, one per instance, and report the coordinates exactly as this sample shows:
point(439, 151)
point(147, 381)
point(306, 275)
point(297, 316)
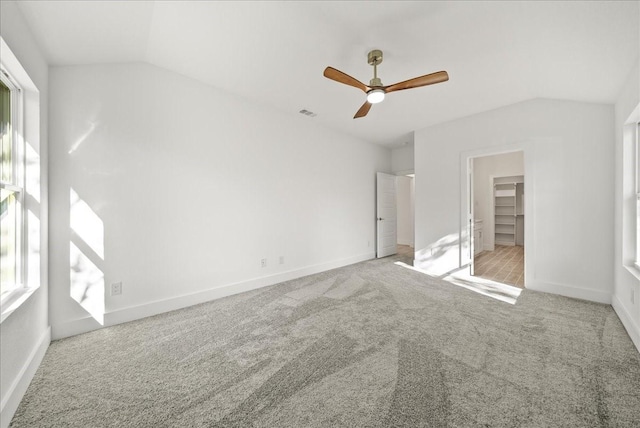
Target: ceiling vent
point(308, 113)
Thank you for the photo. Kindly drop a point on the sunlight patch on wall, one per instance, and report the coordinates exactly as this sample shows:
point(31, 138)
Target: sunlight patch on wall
point(87, 283)
point(82, 138)
point(86, 257)
point(440, 257)
point(86, 224)
point(33, 242)
point(32, 182)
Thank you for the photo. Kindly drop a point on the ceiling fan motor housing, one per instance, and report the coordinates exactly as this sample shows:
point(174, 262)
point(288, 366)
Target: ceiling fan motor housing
point(375, 82)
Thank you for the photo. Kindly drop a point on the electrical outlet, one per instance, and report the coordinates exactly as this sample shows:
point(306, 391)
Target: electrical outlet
point(368, 243)
point(633, 296)
point(281, 260)
point(263, 262)
point(116, 288)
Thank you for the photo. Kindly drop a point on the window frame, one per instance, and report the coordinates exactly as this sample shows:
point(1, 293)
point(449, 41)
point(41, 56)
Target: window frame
point(636, 167)
point(17, 184)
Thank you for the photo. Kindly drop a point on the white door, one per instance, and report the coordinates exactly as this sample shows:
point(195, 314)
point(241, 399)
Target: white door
point(387, 239)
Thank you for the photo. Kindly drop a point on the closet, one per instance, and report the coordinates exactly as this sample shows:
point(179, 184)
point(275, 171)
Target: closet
point(508, 200)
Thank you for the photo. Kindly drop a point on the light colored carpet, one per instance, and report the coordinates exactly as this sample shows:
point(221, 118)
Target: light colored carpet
point(369, 345)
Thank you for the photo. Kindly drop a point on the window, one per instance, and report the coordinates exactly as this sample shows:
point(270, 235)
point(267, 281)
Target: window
point(11, 189)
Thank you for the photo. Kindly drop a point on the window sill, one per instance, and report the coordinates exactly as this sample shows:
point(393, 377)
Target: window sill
point(13, 301)
point(634, 270)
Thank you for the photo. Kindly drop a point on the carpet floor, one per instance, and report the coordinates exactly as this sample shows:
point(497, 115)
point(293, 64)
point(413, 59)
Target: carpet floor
point(369, 345)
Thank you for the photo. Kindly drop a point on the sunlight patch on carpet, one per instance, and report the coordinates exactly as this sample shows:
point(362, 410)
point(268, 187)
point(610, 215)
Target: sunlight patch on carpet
point(495, 290)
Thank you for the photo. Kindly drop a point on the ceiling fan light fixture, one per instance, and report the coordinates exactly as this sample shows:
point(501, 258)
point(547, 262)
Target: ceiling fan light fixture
point(375, 96)
point(375, 90)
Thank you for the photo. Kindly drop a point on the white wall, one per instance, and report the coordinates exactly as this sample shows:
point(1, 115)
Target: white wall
point(191, 188)
point(25, 334)
point(402, 163)
point(626, 282)
point(404, 188)
point(569, 168)
point(484, 168)
point(402, 159)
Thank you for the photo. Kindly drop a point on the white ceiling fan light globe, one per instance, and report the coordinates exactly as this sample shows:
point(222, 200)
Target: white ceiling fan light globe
point(375, 96)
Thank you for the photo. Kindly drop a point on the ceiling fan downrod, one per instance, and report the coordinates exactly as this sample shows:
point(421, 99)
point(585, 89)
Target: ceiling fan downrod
point(374, 58)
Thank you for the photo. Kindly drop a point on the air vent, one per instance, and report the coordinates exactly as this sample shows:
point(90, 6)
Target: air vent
point(308, 113)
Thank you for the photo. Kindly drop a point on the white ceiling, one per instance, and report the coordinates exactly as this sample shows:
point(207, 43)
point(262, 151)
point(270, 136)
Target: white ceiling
point(274, 53)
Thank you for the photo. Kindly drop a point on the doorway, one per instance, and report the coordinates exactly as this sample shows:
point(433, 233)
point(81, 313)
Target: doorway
point(395, 215)
point(497, 217)
point(405, 215)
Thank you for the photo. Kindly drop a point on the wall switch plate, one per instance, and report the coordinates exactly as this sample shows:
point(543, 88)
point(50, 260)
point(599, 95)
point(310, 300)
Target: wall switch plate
point(633, 296)
point(263, 263)
point(281, 260)
point(116, 288)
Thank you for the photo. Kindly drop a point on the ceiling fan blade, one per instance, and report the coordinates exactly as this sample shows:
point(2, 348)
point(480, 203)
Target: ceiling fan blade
point(428, 79)
point(363, 110)
point(339, 76)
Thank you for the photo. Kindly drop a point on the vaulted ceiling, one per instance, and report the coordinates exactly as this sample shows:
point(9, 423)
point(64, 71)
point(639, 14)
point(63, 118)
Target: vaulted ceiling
point(273, 53)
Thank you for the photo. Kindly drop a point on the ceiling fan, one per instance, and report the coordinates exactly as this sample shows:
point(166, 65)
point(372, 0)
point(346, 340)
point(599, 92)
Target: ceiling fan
point(376, 91)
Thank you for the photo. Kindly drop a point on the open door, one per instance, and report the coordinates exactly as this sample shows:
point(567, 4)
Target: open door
point(386, 239)
point(471, 219)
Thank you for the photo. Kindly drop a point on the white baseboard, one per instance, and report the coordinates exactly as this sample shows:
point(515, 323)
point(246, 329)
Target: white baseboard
point(408, 242)
point(18, 388)
point(133, 313)
point(569, 291)
point(74, 327)
point(633, 329)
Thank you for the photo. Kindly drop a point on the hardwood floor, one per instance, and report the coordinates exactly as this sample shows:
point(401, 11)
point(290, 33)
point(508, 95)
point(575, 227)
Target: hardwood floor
point(405, 250)
point(505, 264)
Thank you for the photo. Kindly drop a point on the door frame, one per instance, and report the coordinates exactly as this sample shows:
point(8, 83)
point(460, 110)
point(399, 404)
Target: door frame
point(466, 192)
